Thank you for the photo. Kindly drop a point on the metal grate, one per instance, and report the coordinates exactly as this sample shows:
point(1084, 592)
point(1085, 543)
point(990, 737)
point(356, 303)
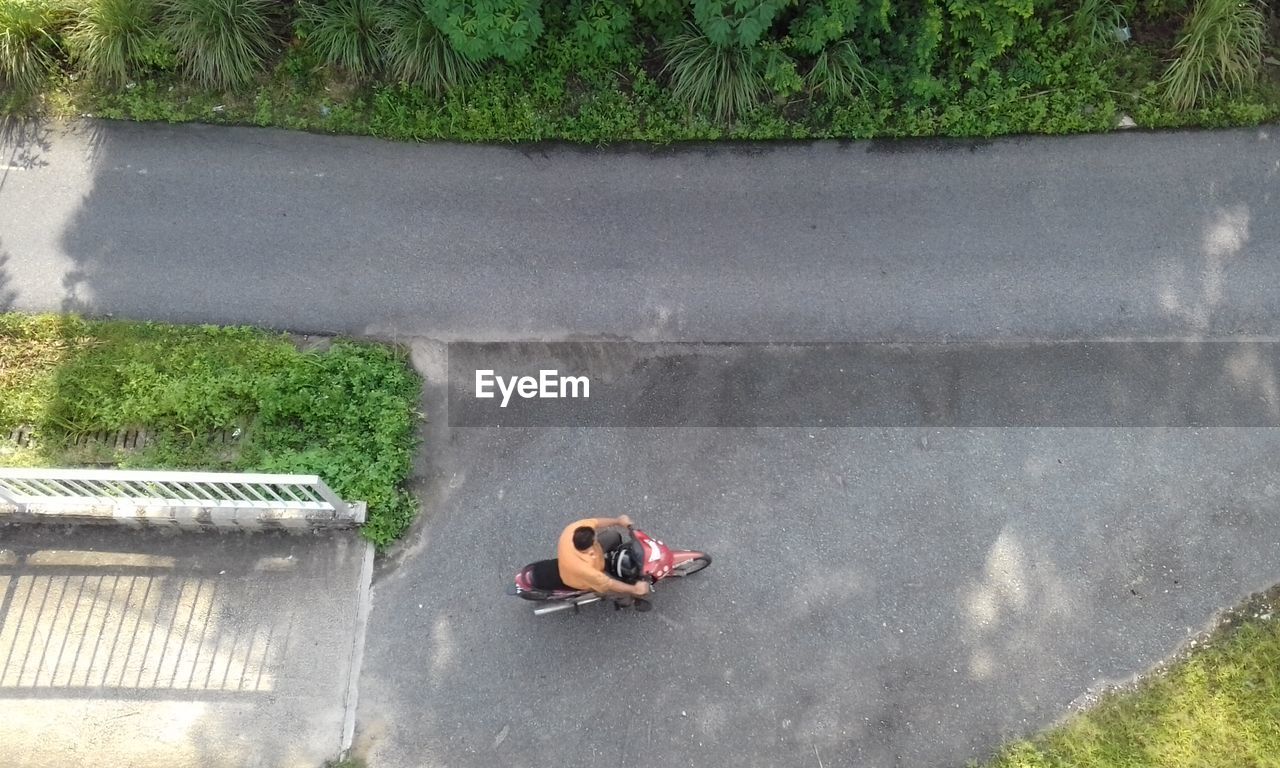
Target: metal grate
point(35, 489)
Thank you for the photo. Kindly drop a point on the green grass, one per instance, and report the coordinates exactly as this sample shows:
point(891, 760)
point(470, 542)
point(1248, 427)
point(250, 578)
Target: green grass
point(1220, 51)
point(27, 44)
point(1217, 706)
point(113, 39)
point(596, 77)
point(346, 414)
point(345, 33)
point(725, 80)
point(222, 44)
point(419, 54)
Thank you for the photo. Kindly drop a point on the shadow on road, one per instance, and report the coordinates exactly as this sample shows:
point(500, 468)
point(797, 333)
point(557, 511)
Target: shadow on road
point(7, 294)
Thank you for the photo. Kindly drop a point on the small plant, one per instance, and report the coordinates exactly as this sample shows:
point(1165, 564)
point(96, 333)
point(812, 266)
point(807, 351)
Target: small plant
point(736, 22)
point(838, 74)
point(600, 26)
point(489, 29)
point(27, 44)
point(112, 39)
point(221, 43)
point(346, 33)
point(780, 73)
point(418, 52)
point(726, 80)
point(1098, 23)
point(1220, 50)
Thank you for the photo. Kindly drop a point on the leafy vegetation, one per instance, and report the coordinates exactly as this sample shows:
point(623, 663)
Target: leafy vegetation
point(663, 70)
point(724, 79)
point(345, 414)
point(114, 39)
point(1220, 51)
point(1217, 707)
point(419, 54)
point(220, 43)
point(345, 33)
point(27, 44)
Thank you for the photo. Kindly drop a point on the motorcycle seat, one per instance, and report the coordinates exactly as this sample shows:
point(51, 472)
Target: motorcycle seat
point(545, 575)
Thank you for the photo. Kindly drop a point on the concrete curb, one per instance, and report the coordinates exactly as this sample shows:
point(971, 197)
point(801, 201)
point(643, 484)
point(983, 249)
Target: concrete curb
point(187, 518)
point(357, 649)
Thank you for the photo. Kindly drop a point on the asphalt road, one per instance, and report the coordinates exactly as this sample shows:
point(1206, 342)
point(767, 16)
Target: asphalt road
point(883, 594)
point(880, 596)
point(1131, 235)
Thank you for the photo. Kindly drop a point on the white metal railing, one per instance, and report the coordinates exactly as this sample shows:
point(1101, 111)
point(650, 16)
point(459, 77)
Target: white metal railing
point(33, 489)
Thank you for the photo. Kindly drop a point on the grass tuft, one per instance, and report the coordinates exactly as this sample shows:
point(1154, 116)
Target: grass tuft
point(346, 33)
point(1096, 23)
point(221, 43)
point(419, 54)
point(111, 39)
point(725, 80)
point(1220, 50)
point(838, 74)
point(27, 44)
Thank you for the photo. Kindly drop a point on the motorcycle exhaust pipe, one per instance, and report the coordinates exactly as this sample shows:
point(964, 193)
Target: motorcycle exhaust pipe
point(564, 606)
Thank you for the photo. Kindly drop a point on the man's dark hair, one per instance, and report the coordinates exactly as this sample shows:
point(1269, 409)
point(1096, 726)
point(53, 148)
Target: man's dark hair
point(583, 537)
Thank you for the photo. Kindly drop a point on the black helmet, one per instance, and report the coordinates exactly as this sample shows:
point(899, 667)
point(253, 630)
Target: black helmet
point(625, 563)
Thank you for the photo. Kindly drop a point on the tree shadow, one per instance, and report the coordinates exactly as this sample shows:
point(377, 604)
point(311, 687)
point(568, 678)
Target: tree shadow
point(7, 293)
point(24, 143)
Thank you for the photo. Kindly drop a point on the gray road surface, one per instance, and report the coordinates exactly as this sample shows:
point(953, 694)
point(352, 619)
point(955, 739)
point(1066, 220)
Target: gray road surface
point(1167, 235)
point(881, 596)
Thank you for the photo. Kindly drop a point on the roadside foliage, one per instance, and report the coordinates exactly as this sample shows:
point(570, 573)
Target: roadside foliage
point(211, 398)
point(651, 70)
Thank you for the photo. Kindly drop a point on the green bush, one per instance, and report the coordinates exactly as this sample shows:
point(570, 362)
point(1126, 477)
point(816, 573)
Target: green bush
point(600, 28)
point(489, 29)
point(978, 32)
point(671, 70)
point(114, 39)
point(741, 23)
point(1220, 49)
point(725, 80)
point(27, 44)
point(220, 43)
point(821, 24)
point(346, 33)
point(418, 53)
point(343, 416)
point(346, 414)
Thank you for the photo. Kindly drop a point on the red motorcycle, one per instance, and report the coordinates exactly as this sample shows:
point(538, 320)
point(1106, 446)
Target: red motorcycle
point(642, 557)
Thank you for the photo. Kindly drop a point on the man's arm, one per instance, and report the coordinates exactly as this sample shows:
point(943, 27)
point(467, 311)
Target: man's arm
point(611, 586)
point(605, 522)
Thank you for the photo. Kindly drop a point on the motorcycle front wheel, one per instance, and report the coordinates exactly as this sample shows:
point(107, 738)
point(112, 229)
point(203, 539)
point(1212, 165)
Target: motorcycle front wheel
point(690, 567)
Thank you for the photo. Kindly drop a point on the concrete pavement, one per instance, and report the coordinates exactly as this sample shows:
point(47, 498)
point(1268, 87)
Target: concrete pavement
point(157, 649)
point(881, 596)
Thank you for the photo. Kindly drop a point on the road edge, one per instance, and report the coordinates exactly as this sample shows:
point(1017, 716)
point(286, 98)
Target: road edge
point(357, 650)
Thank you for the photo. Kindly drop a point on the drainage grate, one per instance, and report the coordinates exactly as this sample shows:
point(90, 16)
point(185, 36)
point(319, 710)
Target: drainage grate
point(123, 440)
point(92, 445)
point(24, 436)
